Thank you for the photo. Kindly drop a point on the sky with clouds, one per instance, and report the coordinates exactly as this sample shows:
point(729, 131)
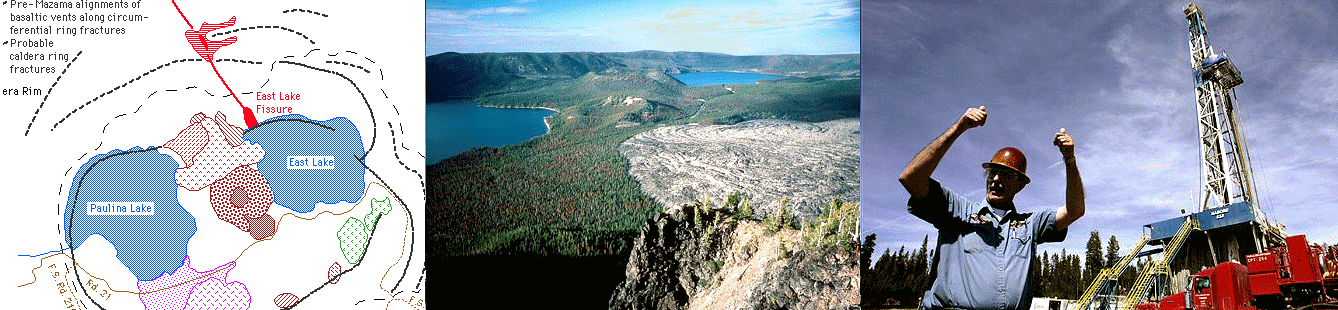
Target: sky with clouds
point(1116, 74)
point(748, 27)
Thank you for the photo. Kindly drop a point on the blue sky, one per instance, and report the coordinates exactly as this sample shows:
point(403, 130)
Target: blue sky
point(1116, 75)
point(750, 27)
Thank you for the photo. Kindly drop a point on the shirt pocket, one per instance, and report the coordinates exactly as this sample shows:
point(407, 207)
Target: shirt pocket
point(980, 238)
point(1020, 234)
point(1021, 239)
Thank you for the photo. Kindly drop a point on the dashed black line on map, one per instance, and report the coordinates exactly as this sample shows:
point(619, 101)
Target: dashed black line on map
point(48, 92)
point(141, 76)
point(95, 99)
point(305, 11)
point(347, 64)
point(218, 34)
point(238, 60)
point(418, 287)
point(395, 150)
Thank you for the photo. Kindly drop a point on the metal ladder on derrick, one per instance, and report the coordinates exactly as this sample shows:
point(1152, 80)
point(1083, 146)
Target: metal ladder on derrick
point(1110, 275)
point(1159, 267)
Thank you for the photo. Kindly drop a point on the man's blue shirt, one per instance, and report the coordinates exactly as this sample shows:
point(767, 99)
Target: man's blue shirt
point(981, 261)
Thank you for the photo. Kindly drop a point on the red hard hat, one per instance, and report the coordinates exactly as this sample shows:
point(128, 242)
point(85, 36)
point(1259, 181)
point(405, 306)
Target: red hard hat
point(1011, 158)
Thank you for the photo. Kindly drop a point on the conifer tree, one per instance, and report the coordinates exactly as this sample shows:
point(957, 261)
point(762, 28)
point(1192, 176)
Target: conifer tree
point(1094, 261)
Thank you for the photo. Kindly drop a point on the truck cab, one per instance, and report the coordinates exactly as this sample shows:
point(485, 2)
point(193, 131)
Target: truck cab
point(1223, 287)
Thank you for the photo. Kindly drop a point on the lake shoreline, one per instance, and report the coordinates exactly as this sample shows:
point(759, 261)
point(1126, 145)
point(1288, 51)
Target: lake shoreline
point(498, 129)
point(547, 127)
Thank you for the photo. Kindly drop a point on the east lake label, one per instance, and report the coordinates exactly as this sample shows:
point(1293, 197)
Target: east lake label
point(311, 162)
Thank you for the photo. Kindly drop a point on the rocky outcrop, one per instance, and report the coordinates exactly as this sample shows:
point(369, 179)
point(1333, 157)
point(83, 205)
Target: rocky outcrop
point(691, 257)
point(806, 164)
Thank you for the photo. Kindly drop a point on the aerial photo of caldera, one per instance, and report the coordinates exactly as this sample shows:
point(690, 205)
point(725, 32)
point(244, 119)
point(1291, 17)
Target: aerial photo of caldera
point(647, 155)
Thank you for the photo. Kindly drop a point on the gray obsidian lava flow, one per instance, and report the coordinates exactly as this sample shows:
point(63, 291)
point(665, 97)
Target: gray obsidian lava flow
point(809, 163)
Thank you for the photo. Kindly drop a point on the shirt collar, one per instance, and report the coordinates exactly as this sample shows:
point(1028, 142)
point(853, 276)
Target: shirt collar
point(1010, 215)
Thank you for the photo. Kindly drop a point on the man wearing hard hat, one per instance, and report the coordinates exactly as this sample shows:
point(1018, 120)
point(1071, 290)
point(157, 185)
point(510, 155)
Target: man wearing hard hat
point(984, 248)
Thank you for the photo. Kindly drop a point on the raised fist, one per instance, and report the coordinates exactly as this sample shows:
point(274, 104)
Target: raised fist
point(1065, 143)
point(974, 117)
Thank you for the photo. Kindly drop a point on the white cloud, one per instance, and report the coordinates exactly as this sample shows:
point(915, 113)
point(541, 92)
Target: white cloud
point(732, 28)
point(456, 17)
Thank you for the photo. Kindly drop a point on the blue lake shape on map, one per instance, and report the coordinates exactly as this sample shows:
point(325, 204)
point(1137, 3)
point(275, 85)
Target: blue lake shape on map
point(149, 245)
point(300, 189)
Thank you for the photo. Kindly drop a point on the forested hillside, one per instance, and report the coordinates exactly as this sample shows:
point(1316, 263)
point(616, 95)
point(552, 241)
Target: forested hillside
point(568, 192)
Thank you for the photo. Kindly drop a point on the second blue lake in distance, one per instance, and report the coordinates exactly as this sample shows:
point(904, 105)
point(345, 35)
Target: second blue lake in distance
point(712, 78)
point(455, 126)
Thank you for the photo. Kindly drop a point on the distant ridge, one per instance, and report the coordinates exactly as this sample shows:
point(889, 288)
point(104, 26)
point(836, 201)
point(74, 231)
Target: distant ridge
point(802, 65)
point(467, 75)
point(454, 75)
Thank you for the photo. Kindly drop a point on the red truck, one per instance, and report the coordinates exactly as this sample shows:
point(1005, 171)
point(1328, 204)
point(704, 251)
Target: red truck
point(1298, 274)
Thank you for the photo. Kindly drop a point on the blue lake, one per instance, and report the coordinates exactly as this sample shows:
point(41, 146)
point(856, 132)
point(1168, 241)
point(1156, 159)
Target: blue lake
point(456, 126)
point(712, 78)
point(295, 189)
point(148, 245)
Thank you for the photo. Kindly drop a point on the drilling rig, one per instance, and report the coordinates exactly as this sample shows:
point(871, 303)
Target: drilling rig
point(1227, 225)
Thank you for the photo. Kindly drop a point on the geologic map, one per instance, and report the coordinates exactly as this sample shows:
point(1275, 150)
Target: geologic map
point(213, 155)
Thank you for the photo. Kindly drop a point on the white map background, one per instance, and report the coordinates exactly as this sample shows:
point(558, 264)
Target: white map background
point(382, 38)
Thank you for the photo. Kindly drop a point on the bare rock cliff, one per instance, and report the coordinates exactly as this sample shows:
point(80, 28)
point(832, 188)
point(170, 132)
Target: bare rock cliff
point(694, 257)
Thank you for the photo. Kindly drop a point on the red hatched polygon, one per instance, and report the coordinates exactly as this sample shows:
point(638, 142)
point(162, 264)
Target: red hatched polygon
point(285, 300)
point(333, 275)
point(231, 133)
point(204, 46)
